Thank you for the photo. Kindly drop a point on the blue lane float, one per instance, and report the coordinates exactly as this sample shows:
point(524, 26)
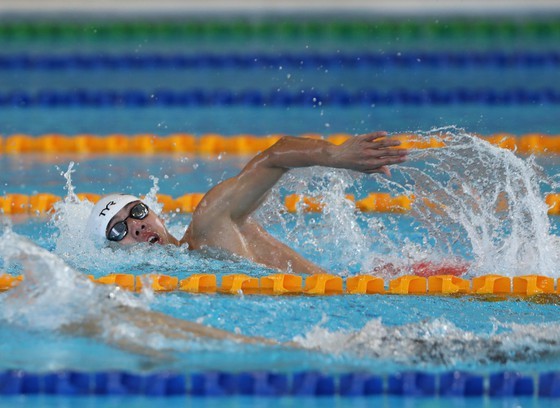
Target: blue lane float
point(549, 384)
point(510, 384)
point(278, 98)
point(412, 384)
point(461, 384)
point(498, 59)
point(271, 384)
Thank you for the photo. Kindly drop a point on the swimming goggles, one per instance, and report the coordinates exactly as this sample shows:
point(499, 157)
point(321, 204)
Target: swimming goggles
point(120, 229)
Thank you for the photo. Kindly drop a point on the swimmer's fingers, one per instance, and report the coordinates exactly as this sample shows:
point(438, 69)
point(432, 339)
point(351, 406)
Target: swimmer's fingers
point(368, 153)
point(384, 161)
point(382, 144)
point(376, 140)
point(369, 137)
point(387, 152)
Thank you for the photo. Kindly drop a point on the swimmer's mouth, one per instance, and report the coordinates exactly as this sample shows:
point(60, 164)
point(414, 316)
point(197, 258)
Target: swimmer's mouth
point(154, 239)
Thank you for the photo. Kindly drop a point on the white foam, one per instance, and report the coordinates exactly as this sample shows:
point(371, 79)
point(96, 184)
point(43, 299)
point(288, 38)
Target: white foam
point(438, 342)
point(52, 294)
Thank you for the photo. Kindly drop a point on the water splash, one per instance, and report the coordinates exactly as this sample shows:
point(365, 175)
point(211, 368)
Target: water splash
point(53, 294)
point(151, 198)
point(71, 195)
point(478, 199)
point(71, 239)
point(55, 297)
point(474, 201)
point(439, 343)
point(335, 236)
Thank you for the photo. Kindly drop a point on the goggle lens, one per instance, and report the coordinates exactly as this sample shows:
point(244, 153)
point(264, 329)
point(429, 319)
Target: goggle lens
point(120, 229)
point(139, 211)
point(118, 232)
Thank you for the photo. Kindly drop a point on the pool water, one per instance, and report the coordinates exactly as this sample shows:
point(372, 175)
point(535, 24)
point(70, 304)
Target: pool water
point(381, 333)
point(333, 334)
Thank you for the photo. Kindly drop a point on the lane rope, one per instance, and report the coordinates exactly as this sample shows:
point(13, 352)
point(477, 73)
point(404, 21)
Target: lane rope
point(43, 203)
point(245, 144)
point(270, 384)
point(235, 30)
point(278, 97)
point(442, 281)
point(444, 60)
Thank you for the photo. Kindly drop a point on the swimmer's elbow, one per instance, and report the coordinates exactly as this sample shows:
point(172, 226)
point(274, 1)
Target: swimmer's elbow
point(274, 156)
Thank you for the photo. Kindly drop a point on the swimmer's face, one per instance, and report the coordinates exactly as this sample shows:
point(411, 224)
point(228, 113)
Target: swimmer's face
point(150, 229)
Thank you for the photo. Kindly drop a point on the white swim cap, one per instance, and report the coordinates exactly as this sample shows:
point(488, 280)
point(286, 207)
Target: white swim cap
point(104, 211)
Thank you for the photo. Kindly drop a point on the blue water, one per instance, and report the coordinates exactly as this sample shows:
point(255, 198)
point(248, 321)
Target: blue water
point(284, 78)
point(178, 175)
point(262, 121)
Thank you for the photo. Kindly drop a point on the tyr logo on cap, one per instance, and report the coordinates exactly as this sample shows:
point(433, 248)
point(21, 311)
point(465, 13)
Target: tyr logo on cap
point(102, 213)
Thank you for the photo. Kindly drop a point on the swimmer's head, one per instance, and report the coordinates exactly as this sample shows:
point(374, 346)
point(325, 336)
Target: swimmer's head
point(127, 220)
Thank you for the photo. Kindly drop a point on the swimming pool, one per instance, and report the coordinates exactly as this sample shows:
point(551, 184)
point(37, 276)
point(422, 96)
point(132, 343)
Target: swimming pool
point(381, 335)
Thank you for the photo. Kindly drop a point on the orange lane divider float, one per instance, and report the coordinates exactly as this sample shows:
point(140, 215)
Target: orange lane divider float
point(212, 144)
point(8, 281)
point(374, 202)
point(281, 284)
point(199, 283)
point(325, 284)
point(365, 284)
point(448, 284)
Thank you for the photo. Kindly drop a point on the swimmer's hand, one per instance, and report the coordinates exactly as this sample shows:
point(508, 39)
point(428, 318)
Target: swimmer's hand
point(369, 153)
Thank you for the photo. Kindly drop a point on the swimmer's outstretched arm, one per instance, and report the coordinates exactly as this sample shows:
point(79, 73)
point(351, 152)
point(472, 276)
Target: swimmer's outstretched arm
point(149, 323)
point(370, 153)
point(223, 217)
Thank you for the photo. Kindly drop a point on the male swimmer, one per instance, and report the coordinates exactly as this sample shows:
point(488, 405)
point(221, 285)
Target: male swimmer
point(223, 219)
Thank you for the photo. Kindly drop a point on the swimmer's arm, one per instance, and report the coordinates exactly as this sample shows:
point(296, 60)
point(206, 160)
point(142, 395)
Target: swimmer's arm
point(172, 327)
point(149, 323)
point(239, 196)
point(370, 153)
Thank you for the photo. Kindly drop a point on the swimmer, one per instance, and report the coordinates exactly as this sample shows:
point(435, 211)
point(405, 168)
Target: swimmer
point(223, 219)
point(108, 314)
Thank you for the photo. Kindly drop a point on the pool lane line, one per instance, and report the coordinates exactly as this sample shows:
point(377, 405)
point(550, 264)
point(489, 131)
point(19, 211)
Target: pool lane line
point(425, 278)
point(43, 203)
point(273, 384)
point(276, 384)
point(407, 59)
point(244, 144)
point(237, 29)
point(279, 98)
